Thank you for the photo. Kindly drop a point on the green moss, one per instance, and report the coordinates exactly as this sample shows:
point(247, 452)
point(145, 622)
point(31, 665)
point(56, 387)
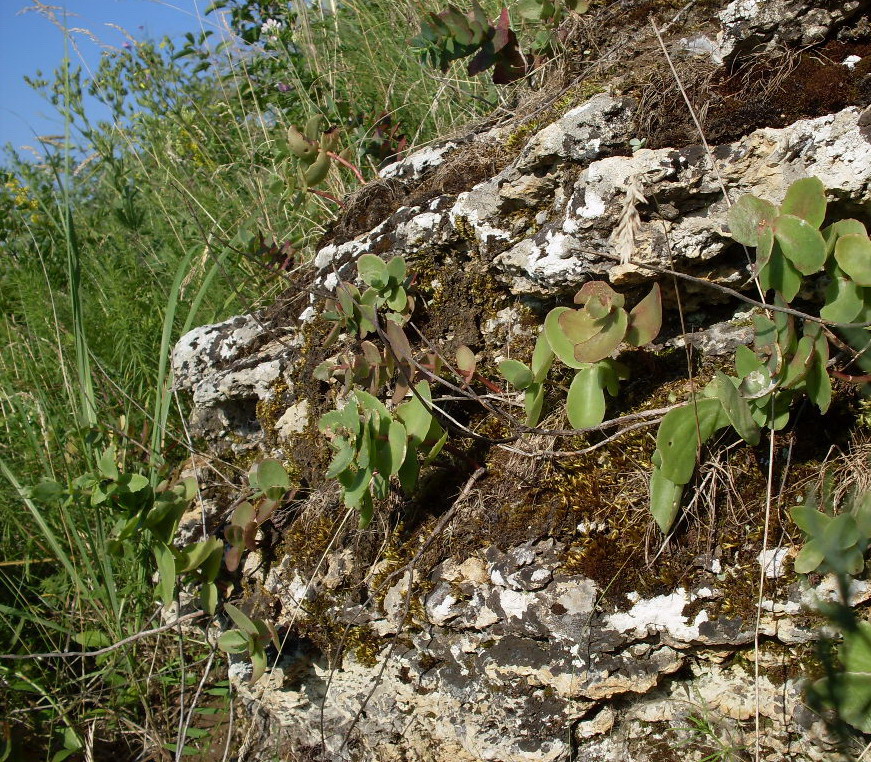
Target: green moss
point(306, 540)
point(465, 230)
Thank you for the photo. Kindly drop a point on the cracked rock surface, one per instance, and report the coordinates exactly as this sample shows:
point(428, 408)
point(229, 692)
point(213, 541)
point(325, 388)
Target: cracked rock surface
point(507, 649)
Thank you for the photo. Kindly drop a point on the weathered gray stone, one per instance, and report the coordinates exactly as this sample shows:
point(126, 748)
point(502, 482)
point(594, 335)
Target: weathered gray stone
point(691, 224)
point(762, 25)
point(501, 672)
point(505, 653)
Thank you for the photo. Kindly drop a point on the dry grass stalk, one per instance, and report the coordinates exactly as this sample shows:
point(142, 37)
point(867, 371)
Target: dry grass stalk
point(629, 224)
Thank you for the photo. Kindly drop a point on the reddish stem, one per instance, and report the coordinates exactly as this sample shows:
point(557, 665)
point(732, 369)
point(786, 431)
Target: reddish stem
point(326, 195)
point(489, 384)
point(851, 378)
point(348, 164)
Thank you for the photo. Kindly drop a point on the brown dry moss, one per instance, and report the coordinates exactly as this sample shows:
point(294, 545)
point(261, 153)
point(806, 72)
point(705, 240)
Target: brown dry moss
point(767, 90)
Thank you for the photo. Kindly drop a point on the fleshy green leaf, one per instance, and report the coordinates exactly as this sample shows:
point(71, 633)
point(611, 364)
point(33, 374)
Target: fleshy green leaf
point(415, 414)
point(606, 341)
point(645, 319)
point(682, 432)
point(844, 298)
point(195, 554)
point(240, 619)
point(234, 641)
point(242, 514)
point(366, 510)
point(258, 662)
point(781, 275)
point(516, 373)
point(665, 498)
point(165, 573)
point(806, 198)
point(355, 485)
point(392, 453)
point(764, 248)
point(737, 409)
point(341, 460)
point(373, 270)
point(818, 385)
point(559, 343)
point(853, 255)
point(839, 228)
point(436, 448)
point(209, 597)
point(396, 269)
point(797, 368)
point(542, 358)
point(748, 216)
point(801, 243)
point(746, 361)
point(533, 401)
point(346, 419)
point(410, 471)
point(272, 479)
point(398, 300)
point(599, 290)
point(809, 558)
point(585, 403)
point(580, 325)
point(854, 706)
point(811, 521)
point(372, 403)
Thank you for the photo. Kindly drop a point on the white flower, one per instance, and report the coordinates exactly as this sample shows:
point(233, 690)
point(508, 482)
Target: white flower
point(270, 29)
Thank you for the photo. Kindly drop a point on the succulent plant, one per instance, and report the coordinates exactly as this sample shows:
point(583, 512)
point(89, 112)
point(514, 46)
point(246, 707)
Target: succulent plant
point(591, 333)
point(371, 445)
point(781, 364)
point(316, 150)
point(269, 482)
point(836, 540)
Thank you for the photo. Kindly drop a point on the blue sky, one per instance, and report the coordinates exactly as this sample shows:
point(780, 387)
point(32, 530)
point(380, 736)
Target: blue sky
point(29, 41)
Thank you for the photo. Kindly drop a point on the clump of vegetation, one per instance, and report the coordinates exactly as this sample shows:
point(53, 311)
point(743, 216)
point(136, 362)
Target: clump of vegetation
point(221, 165)
point(182, 208)
point(451, 35)
point(782, 365)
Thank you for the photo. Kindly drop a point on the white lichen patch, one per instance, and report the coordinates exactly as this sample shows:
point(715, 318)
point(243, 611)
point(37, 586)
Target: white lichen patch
point(415, 165)
point(293, 421)
point(514, 603)
point(773, 561)
point(663, 614)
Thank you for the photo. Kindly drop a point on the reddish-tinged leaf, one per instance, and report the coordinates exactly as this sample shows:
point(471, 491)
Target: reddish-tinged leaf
point(466, 361)
point(503, 34)
point(481, 61)
point(645, 319)
point(600, 289)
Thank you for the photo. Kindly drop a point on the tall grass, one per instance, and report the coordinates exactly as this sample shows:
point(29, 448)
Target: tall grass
point(115, 241)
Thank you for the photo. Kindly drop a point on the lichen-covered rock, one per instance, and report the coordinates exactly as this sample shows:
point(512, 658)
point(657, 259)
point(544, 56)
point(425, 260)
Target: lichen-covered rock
point(516, 660)
point(758, 25)
point(531, 644)
point(685, 218)
point(228, 368)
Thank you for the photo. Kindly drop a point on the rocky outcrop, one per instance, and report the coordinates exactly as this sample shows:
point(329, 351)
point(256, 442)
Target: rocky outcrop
point(514, 659)
point(550, 622)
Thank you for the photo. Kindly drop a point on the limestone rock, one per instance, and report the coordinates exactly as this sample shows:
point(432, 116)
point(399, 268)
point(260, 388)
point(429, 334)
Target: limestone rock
point(503, 649)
